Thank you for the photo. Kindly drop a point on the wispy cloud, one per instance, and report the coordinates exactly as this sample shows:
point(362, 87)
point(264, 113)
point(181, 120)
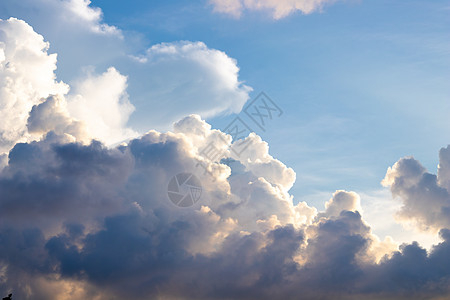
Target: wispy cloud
point(278, 8)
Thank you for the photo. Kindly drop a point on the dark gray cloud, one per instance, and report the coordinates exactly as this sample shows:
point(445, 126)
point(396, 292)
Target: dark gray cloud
point(47, 182)
point(425, 196)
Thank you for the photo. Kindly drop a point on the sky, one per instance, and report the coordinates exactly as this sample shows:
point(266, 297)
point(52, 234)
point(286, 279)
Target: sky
point(107, 107)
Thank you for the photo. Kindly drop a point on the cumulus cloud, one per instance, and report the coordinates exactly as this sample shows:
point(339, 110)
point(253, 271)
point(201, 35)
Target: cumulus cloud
point(184, 78)
point(26, 76)
point(425, 196)
point(279, 8)
point(33, 102)
point(102, 103)
point(64, 185)
point(67, 11)
point(53, 115)
point(80, 220)
point(96, 222)
point(444, 168)
point(342, 200)
point(75, 29)
point(165, 82)
point(91, 16)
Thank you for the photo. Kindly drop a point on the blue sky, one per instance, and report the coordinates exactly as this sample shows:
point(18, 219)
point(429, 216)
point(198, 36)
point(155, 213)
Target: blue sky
point(362, 83)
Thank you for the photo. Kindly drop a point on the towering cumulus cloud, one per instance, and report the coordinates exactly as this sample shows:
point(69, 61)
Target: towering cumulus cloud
point(26, 76)
point(33, 102)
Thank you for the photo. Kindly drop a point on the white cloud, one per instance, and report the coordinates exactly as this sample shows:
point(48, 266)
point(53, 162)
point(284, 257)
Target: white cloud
point(342, 201)
point(231, 7)
point(184, 78)
point(165, 82)
point(26, 76)
point(279, 8)
point(257, 159)
point(91, 17)
point(75, 30)
point(102, 103)
point(32, 101)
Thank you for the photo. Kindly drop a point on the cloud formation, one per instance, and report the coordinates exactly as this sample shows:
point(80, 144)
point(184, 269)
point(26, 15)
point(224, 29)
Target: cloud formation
point(165, 81)
point(52, 115)
point(26, 76)
point(425, 196)
point(97, 107)
point(81, 219)
point(96, 222)
point(278, 8)
point(102, 102)
point(183, 78)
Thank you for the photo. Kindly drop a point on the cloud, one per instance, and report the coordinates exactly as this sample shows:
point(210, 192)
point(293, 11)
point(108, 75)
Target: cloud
point(444, 168)
point(91, 16)
point(51, 180)
point(425, 196)
point(231, 7)
point(278, 8)
point(102, 103)
point(75, 29)
point(184, 78)
point(342, 201)
point(80, 219)
point(26, 76)
point(64, 184)
point(71, 12)
point(97, 221)
point(165, 82)
point(33, 102)
point(53, 115)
